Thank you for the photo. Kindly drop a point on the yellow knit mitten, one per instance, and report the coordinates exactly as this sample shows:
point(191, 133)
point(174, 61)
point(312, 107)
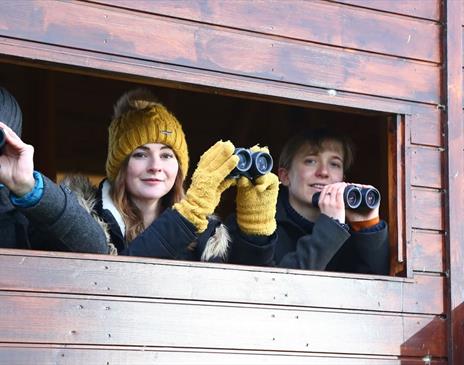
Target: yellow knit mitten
point(256, 204)
point(208, 183)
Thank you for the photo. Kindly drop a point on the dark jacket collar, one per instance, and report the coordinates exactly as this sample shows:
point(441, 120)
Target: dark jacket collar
point(287, 215)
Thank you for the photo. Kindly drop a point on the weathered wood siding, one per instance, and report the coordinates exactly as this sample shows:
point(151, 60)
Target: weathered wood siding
point(382, 55)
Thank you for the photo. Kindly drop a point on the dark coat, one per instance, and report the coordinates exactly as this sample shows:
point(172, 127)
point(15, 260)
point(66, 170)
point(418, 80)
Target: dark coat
point(324, 245)
point(57, 222)
point(170, 236)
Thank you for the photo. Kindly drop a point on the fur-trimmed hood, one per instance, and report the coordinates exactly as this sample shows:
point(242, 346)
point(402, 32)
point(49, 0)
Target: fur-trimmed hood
point(88, 195)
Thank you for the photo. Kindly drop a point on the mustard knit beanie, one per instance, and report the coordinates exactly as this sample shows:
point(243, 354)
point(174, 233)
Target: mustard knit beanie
point(140, 119)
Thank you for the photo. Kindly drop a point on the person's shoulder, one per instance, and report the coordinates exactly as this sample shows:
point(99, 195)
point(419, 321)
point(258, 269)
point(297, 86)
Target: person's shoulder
point(83, 188)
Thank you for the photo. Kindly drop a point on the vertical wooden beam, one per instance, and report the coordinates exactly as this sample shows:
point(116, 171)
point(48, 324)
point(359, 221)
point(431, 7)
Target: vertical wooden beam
point(454, 174)
point(396, 194)
point(407, 193)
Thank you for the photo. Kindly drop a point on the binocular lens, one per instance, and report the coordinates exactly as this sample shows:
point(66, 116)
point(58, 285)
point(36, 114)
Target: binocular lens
point(352, 197)
point(371, 198)
point(244, 162)
point(262, 163)
point(355, 198)
point(251, 164)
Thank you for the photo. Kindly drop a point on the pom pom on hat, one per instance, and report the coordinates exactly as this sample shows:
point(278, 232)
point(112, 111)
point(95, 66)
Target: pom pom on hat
point(140, 119)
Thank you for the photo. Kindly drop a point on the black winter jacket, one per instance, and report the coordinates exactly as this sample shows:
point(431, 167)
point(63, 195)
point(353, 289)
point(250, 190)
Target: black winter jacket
point(170, 236)
point(324, 245)
point(57, 222)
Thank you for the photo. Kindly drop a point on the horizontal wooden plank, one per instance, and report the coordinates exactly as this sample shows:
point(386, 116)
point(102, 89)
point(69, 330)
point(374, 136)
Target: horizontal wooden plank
point(140, 71)
point(21, 355)
point(427, 250)
point(427, 167)
point(426, 126)
point(428, 9)
point(64, 319)
point(153, 278)
point(426, 209)
point(341, 26)
point(425, 295)
point(107, 31)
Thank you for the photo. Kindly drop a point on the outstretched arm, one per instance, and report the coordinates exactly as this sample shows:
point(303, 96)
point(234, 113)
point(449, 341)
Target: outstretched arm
point(58, 221)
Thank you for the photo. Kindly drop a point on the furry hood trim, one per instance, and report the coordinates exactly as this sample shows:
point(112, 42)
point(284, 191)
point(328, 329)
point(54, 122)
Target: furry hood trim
point(217, 246)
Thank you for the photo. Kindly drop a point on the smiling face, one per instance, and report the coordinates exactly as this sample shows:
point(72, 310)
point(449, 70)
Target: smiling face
point(151, 173)
point(311, 169)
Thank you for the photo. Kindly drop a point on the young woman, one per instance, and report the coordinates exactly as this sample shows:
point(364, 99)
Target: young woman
point(35, 213)
point(330, 236)
point(142, 201)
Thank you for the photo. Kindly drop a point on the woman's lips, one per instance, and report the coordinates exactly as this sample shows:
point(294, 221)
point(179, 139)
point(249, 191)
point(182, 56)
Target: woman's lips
point(318, 186)
point(152, 181)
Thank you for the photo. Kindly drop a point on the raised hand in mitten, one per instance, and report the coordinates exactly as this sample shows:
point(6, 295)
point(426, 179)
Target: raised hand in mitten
point(256, 203)
point(209, 181)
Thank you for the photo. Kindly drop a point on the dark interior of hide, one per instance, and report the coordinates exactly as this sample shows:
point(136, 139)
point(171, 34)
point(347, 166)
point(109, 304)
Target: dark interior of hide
point(66, 116)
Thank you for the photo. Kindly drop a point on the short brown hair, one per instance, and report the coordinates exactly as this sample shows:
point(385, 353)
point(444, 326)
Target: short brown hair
point(316, 138)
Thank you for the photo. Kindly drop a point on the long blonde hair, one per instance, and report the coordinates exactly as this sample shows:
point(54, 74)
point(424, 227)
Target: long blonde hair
point(130, 213)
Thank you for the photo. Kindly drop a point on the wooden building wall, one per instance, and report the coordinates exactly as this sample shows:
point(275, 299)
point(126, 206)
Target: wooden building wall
point(384, 56)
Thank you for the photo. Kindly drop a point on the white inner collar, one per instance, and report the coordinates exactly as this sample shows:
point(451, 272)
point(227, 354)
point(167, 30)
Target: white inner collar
point(108, 204)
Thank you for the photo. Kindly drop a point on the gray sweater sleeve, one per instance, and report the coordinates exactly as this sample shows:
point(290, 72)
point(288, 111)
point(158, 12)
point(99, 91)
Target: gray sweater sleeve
point(59, 218)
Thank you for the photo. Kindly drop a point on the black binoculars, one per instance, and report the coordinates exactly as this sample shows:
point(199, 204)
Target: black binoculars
point(356, 198)
point(2, 141)
point(251, 164)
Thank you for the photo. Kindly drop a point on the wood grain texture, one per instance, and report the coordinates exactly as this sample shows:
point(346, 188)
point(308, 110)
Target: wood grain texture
point(425, 295)
point(258, 285)
point(426, 126)
point(75, 355)
point(105, 30)
point(153, 73)
point(427, 209)
point(427, 251)
point(427, 167)
point(331, 24)
point(454, 177)
point(58, 319)
point(203, 56)
point(428, 9)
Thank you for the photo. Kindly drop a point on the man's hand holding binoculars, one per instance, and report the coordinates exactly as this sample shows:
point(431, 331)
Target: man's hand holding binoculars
point(356, 202)
point(16, 162)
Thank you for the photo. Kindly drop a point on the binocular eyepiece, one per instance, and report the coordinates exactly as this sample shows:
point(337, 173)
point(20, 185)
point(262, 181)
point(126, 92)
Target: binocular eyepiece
point(356, 198)
point(2, 141)
point(251, 164)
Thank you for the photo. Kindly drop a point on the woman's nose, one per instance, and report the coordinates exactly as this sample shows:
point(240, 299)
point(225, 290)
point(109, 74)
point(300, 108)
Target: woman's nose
point(322, 170)
point(154, 164)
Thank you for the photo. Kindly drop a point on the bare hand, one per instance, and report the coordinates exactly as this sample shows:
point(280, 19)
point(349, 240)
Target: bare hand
point(16, 163)
point(331, 201)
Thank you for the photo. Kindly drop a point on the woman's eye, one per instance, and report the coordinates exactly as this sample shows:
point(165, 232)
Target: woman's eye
point(167, 155)
point(337, 165)
point(139, 154)
point(309, 161)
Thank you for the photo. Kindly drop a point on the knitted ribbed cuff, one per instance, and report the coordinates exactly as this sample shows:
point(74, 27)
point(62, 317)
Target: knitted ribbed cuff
point(31, 198)
point(357, 226)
